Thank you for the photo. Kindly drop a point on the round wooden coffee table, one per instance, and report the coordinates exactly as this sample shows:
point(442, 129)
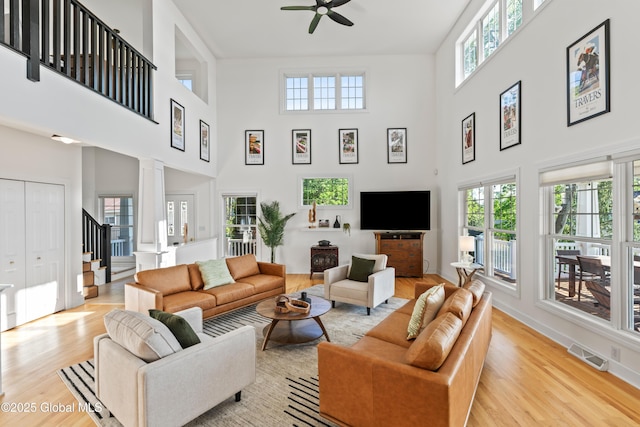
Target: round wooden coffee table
point(296, 328)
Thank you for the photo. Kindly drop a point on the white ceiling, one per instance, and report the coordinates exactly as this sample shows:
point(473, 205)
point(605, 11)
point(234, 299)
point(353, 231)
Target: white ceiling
point(258, 28)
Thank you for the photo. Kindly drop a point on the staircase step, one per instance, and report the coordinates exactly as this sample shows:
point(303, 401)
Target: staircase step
point(86, 266)
point(95, 264)
point(86, 256)
point(88, 278)
point(100, 276)
point(90, 291)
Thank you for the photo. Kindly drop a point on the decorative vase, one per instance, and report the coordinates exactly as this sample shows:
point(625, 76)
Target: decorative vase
point(337, 223)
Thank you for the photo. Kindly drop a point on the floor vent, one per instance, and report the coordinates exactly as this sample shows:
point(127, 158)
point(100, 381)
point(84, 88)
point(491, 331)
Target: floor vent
point(589, 357)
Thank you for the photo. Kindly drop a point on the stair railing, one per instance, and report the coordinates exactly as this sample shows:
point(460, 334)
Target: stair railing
point(96, 238)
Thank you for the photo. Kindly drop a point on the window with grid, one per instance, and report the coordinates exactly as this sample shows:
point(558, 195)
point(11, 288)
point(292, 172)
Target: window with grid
point(470, 54)
point(326, 91)
point(117, 211)
point(491, 31)
point(490, 213)
point(240, 224)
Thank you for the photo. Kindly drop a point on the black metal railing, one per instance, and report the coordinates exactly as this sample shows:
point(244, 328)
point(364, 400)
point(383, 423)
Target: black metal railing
point(96, 238)
point(66, 37)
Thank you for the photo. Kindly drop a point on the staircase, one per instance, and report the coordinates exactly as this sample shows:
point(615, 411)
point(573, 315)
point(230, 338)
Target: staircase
point(92, 275)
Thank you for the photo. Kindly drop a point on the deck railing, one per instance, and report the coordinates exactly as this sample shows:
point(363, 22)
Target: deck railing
point(66, 37)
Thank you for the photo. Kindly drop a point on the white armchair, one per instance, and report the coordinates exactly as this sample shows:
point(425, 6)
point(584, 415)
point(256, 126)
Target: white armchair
point(178, 387)
point(379, 287)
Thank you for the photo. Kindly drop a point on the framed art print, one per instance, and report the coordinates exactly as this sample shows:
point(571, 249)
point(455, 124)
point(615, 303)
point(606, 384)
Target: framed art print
point(469, 138)
point(588, 75)
point(510, 117)
point(204, 141)
point(177, 125)
point(254, 147)
point(397, 145)
point(301, 146)
point(348, 142)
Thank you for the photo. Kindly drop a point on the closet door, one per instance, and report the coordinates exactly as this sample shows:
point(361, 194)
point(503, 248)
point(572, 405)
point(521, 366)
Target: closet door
point(44, 249)
point(12, 252)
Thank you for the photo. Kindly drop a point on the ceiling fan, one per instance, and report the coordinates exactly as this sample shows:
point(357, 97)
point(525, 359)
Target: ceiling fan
point(321, 8)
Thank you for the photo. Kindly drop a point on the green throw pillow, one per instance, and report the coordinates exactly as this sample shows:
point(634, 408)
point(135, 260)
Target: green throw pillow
point(361, 269)
point(214, 273)
point(178, 326)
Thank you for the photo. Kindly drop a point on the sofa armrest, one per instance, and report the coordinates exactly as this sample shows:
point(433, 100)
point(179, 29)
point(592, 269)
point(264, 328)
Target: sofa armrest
point(192, 315)
point(141, 298)
point(279, 270)
point(332, 275)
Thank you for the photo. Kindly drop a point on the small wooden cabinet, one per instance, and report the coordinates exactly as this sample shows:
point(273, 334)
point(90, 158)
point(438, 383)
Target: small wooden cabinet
point(404, 250)
point(323, 257)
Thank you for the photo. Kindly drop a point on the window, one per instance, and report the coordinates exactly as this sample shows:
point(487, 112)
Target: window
point(117, 211)
point(324, 92)
point(325, 191)
point(493, 24)
point(240, 224)
point(490, 213)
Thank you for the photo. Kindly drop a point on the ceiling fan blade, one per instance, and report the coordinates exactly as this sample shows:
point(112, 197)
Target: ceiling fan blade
point(297, 8)
point(339, 18)
point(336, 3)
point(314, 23)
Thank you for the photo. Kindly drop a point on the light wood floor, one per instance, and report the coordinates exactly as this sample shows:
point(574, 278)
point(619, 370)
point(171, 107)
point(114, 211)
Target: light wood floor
point(528, 380)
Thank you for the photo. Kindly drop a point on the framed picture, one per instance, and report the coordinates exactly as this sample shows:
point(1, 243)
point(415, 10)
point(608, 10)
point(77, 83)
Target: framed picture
point(587, 77)
point(301, 146)
point(177, 125)
point(397, 145)
point(510, 116)
point(254, 147)
point(204, 141)
point(469, 138)
point(323, 223)
point(348, 142)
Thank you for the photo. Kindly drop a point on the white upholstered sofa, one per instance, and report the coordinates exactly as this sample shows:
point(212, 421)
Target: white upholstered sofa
point(179, 386)
point(378, 287)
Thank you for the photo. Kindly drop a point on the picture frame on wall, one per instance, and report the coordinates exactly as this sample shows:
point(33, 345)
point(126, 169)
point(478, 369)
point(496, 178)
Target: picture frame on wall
point(348, 145)
point(204, 141)
point(254, 147)
point(588, 93)
point(511, 116)
point(177, 125)
point(469, 138)
point(301, 146)
point(397, 145)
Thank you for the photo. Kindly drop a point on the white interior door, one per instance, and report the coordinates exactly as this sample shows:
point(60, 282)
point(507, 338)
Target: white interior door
point(12, 252)
point(180, 211)
point(44, 204)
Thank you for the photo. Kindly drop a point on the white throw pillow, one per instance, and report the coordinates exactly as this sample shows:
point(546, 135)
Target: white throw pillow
point(144, 337)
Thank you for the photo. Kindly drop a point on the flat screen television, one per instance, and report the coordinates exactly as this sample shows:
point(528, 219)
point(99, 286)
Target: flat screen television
point(395, 210)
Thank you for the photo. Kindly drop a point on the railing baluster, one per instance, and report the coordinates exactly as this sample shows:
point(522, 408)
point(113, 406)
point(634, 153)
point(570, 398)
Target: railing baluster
point(2, 28)
point(45, 31)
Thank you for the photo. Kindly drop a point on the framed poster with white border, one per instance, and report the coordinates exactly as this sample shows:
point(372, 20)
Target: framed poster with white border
point(469, 138)
point(588, 76)
point(254, 147)
point(510, 117)
point(301, 146)
point(397, 145)
point(348, 145)
point(177, 125)
point(204, 141)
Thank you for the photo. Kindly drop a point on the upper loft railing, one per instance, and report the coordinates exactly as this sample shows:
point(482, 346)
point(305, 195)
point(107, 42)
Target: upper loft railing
point(66, 37)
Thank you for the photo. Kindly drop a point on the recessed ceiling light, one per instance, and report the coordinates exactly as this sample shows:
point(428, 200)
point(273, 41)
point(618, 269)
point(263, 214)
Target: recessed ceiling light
point(64, 139)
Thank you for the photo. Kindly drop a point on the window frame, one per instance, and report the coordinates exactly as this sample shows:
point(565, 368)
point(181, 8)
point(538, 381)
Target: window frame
point(311, 101)
point(132, 226)
point(300, 197)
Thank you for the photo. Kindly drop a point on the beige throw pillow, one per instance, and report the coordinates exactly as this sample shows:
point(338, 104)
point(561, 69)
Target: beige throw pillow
point(427, 305)
point(214, 273)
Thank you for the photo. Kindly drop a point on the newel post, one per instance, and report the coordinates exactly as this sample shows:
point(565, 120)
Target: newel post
point(30, 37)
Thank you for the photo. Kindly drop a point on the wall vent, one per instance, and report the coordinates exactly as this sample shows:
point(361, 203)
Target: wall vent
point(589, 357)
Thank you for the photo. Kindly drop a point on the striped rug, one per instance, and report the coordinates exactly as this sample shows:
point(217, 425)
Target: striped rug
point(286, 391)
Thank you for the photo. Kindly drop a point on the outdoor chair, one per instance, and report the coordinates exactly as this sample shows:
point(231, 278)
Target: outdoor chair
point(562, 263)
point(591, 269)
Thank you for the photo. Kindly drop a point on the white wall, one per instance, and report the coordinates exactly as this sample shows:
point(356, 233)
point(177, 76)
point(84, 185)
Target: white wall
point(400, 93)
point(537, 56)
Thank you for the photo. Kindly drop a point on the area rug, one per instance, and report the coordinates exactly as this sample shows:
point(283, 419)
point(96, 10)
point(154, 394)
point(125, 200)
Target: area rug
point(286, 389)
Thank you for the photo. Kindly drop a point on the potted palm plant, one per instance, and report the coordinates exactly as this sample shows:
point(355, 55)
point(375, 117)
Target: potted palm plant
point(271, 226)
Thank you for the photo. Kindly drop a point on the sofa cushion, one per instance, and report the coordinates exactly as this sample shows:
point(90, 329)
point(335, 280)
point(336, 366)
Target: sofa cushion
point(393, 329)
point(185, 300)
point(431, 348)
point(243, 266)
point(380, 259)
point(167, 280)
point(425, 310)
point(226, 294)
point(196, 278)
point(214, 273)
point(144, 337)
point(360, 269)
point(459, 303)
point(476, 287)
point(265, 282)
point(179, 327)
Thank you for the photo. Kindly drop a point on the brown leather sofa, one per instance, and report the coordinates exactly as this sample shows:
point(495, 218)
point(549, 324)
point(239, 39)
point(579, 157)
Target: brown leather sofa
point(177, 288)
point(381, 381)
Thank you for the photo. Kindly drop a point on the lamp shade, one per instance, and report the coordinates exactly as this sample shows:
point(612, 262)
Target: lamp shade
point(467, 243)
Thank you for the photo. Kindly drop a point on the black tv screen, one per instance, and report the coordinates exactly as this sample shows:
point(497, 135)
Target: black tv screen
point(395, 210)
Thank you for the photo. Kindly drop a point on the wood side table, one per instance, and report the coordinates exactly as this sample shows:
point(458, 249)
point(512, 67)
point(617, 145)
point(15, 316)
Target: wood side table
point(296, 328)
point(323, 257)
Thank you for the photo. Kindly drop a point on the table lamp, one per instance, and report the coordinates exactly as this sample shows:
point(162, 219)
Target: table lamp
point(467, 244)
